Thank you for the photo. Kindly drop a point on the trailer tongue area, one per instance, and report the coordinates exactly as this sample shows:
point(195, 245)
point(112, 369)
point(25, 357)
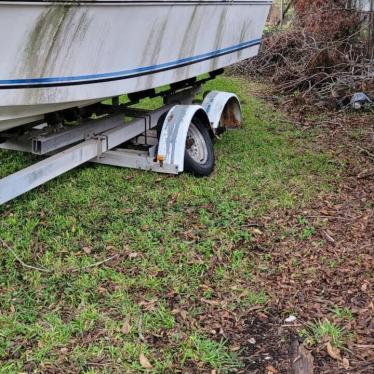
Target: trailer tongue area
point(171, 139)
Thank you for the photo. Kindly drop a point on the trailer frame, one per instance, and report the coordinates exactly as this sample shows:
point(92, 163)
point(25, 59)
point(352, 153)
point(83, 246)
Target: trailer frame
point(121, 135)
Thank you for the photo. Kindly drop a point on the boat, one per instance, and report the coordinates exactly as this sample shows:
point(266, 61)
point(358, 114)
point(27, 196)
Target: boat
point(57, 55)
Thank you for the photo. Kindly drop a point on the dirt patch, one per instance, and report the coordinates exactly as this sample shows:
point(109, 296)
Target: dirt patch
point(268, 344)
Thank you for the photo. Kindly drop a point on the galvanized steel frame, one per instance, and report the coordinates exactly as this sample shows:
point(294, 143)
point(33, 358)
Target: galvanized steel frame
point(98, 140)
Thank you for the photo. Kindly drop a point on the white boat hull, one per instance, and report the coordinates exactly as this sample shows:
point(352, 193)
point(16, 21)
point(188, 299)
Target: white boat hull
point(60, 55)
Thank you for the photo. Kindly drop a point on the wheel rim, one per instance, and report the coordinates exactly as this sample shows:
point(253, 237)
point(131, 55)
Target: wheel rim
point(196, 146)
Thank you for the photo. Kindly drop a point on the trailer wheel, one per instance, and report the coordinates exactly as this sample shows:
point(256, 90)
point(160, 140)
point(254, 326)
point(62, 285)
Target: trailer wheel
point(199, 154)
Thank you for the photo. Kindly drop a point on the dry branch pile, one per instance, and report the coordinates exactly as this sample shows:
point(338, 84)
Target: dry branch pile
point(321, 58)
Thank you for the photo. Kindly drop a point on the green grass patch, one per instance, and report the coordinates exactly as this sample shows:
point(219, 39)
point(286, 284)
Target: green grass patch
point(342, 313)
point(325, 331)
point(206, 351)
point(177, 240)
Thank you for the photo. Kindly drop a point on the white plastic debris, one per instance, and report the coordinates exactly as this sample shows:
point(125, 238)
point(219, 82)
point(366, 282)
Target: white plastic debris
point(359, 99)
point(290, 319)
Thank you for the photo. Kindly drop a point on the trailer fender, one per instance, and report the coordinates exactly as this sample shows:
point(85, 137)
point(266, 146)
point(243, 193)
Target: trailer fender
point(223, 109)
point(172, 142)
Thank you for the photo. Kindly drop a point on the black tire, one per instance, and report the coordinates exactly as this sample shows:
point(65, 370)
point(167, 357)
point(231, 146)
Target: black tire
point(206, 167)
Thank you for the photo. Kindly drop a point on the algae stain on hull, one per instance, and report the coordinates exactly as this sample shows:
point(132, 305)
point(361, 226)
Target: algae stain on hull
point(51, 39)
point(49, 47)
point(221, 29)
point(41, 41)
point(190, 36)
point(243, 36)
point(191, 33)
point(153, 46)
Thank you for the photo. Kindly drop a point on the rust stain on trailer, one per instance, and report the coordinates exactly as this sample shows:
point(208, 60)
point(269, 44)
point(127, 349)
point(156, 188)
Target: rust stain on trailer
point(229, 118)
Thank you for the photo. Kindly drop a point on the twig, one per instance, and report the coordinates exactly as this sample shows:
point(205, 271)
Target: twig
point(252, 225)
point(141, 336)
point(292, 325)
point(332, 218)
point(365, 174)
point(27, 266)
point(99, 364)
point(96, 264)
point(363, 150)
point(44, 270)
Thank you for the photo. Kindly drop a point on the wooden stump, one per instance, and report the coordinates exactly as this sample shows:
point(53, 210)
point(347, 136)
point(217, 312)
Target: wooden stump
point(301, 359)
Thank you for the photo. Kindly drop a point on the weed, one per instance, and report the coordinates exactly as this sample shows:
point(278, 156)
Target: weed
point(324, 331)
point(256, 298)
point(216, 354)
point(342, 313)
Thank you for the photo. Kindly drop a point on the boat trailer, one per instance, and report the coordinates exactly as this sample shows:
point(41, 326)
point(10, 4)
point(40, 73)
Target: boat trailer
point(120, 135)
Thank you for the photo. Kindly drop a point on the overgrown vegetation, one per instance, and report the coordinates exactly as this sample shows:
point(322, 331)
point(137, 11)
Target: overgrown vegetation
point(321, 57)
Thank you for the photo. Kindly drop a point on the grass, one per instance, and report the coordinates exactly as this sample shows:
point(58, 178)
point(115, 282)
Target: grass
point(178, 239)
point(215, 354)
point(343, 313)
point(325, 331)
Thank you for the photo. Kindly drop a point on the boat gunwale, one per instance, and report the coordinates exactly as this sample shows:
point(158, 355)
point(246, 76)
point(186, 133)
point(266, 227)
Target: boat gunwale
point(135, 2)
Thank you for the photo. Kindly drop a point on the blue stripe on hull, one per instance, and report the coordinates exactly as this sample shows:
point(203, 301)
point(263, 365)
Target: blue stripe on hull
point(124, 74)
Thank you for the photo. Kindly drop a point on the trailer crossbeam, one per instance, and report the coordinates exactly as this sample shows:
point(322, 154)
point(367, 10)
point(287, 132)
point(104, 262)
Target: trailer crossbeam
point(92, 148)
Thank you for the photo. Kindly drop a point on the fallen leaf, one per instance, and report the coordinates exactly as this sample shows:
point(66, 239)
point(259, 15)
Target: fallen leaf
point(101, 290)
point(144, 362)
point(126, 328)
point(148, 305)
point(210, 302)
point(262, 316)
point(333, 352)
point(235, 348)
point(257, 231)
point(271, 369)
point(345, 363)
point(87, 250)
point(183, 314)
point(328, 236)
